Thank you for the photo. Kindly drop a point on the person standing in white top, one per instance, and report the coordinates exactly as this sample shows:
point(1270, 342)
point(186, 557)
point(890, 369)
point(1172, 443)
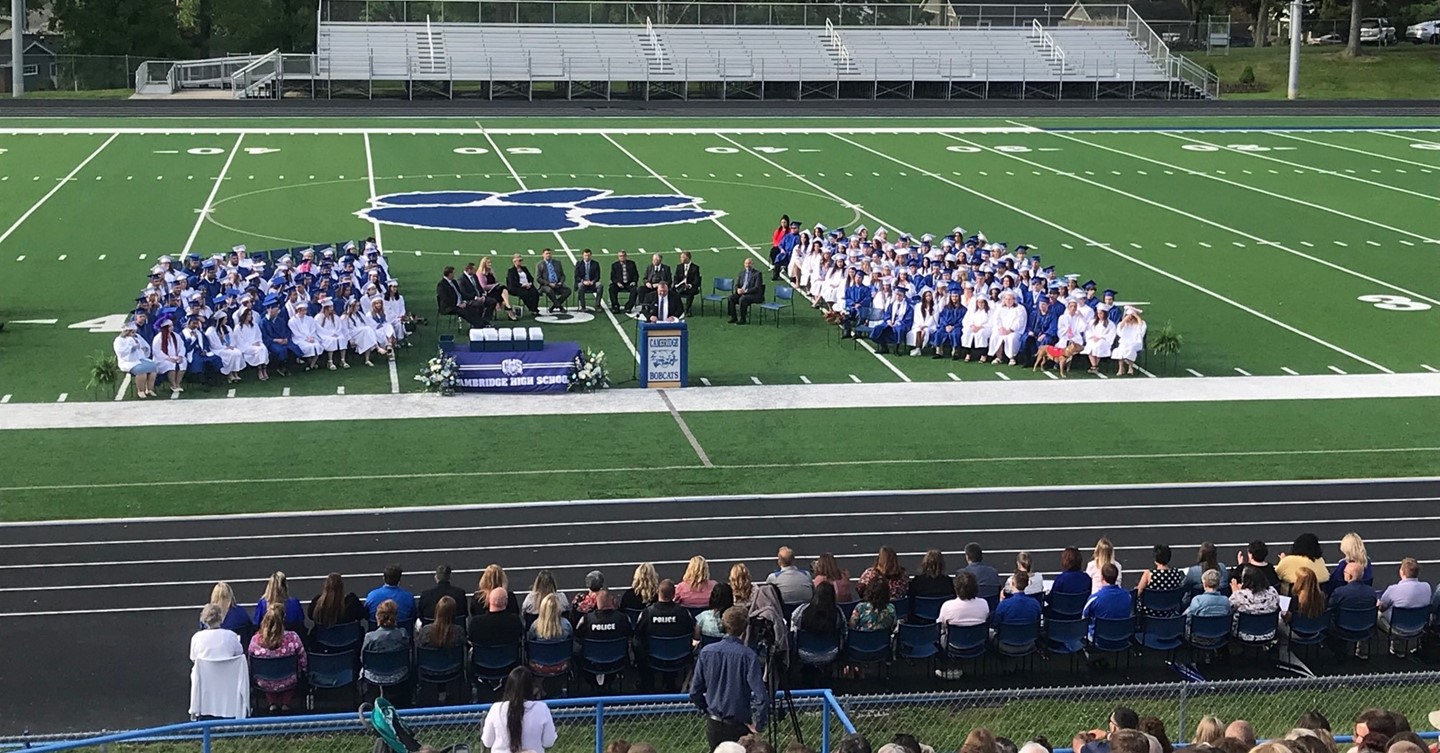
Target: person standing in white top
point(519, 716)
point(1131, 331)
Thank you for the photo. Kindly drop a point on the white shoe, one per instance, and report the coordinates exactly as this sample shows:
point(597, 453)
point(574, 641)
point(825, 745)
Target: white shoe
point(914, 351)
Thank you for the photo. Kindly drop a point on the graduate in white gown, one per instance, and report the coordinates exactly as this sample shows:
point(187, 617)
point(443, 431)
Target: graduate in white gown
point(1007, 336)
point(831, 293)
point(222, 344)
point(333, 333)
point(305, 336)
point(1072, 324)
point(396, 313)
point(250, 342)
point(926, 313)
point(132, 355)
point(384, 333)
point(1100, 338)
point(975, 334)
point(361, 334)
point(1131, 331)
point(169, 353)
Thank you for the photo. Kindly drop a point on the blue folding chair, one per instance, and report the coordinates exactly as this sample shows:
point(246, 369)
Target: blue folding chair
point(863, 329)
point(967, 642)
point(695, 612)
point(783, 298)
point(1017, 640)
point(902, 609)
point(1161, 634)
point(1408, 624)
point(633, 614)
point(1065, 606)
point(385, 663)
point(550, 659)
point(668, 653)
point(925, 609)
point(604, 657)
point(1065, 637)
point(721, 288)
point(918, 641)
point(1208, 634)
point(1113, 636)
point(848, 607)
point(1354, 626)
point(868, 647)
point(1260, 626)
point(1308, 632)
point(332, 672)
point(809, 645)
point(440, 668)
point(1165, 602)
point(491, 663)
point(336, 639)
point(274, 669)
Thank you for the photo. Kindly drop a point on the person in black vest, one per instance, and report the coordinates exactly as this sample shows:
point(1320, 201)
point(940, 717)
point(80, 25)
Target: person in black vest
point(749, 290)
point(604, 623)
point(663, 619)
point(624, 276)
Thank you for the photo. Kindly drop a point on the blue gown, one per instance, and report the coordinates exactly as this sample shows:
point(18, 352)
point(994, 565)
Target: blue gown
point(949, 317)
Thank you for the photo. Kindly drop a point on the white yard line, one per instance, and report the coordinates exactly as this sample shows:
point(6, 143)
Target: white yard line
point(1113, 251)
point(1307, 168)
point(685, 429)
point(1255, 189)
point(124, 387)
point(58, 185)
point(210, 200)
point(1376, 155)
point(1401, 136)
point(394, 373)
point(370, 176)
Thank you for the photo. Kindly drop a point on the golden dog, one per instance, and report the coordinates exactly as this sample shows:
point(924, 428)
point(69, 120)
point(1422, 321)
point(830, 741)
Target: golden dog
point(1060, 356)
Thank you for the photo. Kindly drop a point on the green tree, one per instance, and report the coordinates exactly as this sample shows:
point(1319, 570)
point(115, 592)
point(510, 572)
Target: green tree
point(143, 28)
point(263, 25)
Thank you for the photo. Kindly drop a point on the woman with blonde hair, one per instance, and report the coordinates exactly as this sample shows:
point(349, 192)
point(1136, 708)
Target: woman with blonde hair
point(277, 591)
point(693, 590)
point(1352, 549)
point(550, 624)
point(233, 616)
point(492, 577)
point(740, 583)
point(1104, 554)
point(273, 641)
point(543, 586)
point(644, 589)
point(492, 290)
point(1209, 731)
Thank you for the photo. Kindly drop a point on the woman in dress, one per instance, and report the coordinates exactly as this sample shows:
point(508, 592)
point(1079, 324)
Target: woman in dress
point(1099, 338)
point(396, 313)
point(199, 360)
point(305, 336)
point(132, 355)
point(1131, 331)
point(492, 290)
point(1008, 330)
point(362, 335)
point(924, 323)
point(384, 333)
point(975, 335)
point(168, 351)
point(1161, 577)
point(250, 344)
point(273, 641)
point(1254, 597)
point(333, 334)
point(222, 344)
point(1071, 325)
point(874, 612)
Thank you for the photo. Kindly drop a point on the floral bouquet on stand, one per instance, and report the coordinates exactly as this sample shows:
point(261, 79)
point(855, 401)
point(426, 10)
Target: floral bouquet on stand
point(439, 374)
point(590, 373)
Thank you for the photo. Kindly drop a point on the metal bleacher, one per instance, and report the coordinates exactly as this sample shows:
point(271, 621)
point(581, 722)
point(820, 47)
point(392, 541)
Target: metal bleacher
point(586, 50)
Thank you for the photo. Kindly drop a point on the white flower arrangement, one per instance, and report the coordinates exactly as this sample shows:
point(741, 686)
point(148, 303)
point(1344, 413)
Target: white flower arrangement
point(590, 373)
point(439, 374)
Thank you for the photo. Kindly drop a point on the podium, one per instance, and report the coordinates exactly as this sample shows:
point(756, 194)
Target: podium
point(664, 354)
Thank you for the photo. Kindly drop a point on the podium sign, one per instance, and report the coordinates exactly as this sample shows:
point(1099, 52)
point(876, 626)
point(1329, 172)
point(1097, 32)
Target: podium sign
point(664, 354)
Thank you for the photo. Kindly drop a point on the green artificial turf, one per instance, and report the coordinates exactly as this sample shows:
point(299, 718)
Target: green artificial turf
point(802, 451)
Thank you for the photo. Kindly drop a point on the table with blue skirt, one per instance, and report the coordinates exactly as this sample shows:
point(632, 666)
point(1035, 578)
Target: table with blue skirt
point(546, 369)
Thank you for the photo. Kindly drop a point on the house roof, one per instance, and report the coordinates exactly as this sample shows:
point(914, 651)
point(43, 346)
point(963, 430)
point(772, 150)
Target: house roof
point(1150, 10)
point(33, 43)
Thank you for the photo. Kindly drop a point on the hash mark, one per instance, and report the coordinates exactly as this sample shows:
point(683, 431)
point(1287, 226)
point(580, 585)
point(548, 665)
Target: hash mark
point(231, 393)
point(1195, 373)
point(952, 376)
point(854, 379)
point(63, 397)
point(1002, 376)
point(1242, 372)
point(804, 379)
point(756, 380)
point(705, 381)
point(285, 392)
point(1337, 370)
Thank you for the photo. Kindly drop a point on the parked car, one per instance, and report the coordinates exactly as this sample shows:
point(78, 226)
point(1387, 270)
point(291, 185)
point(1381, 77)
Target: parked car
point(1425, 31)
point(1376, 31)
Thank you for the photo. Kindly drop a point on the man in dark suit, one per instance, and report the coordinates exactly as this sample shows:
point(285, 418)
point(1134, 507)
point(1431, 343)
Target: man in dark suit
point(686, 284)
point(657, 272)
point(521, 284)
point(623, 277)
point(451, 300)
point(587, 279)
point(749, 290)
point(665, 307)
point(432, 596)
point(552, 281)
point(469, 283)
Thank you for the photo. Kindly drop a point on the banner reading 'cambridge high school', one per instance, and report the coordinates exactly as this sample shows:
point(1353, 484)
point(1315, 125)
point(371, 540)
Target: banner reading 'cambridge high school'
point(545, 370)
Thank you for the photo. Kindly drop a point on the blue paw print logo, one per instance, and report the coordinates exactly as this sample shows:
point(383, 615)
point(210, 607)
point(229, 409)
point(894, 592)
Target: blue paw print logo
point(539, 210)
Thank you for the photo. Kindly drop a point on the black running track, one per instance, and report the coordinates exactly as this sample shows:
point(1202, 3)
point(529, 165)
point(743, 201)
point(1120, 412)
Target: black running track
point(95, 617)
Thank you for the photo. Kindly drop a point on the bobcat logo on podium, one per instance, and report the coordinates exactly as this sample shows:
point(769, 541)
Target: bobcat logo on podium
point(512, 367)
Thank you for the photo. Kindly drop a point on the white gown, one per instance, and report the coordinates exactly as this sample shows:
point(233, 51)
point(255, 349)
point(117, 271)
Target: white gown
point(1071, 329)
point(395, 314)
point(810, 271)
point(130, 351)
point(923, 325)
point(1099, 339)
point(970, 338)
point(832, 287)
point(383, 330)
point(333, 334)
point(164, 364)
point(251, 345)
point(1132, 339)
point(231, 359)
point(306, 337)
point(362, 335)
point(1012, 318)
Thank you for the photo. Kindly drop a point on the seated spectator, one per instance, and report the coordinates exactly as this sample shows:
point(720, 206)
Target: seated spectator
point(493, 576)
point(430, 598)
point(1111, 602)
point(819, 616)
point(387, 637)
point(1104, 555)
point(662, 619)
point(828, 570)
point(1354, 595)
point(1253, 558)
point(1305, 552)
point(1152, 726)
point(334, 605)
point(1255, 597)
point(390, 590)
point(644, 588)
point(693, 590)
point(708, 622)
point(1206, 559)
point(211, 692)
point(1130, 741)
point(273, 641)
point(1161, 577)
point(1018, 607)
point(521, 717)
point(584, 602)
point(1409, 593)
point(1307, 600)
point(874, 612)
point(1314, 720)
point(543, 586)
point(1352, 549)
point(1034, 580)
point(1072, 578)
point(932, 580)
point(277, 591)
point(796, 586)
point(967, 608)
point(886, 569)
point(604, 621)
point(979, 740)
point(550, 623)
point(1100, 740)
point(740, 584)
point(1210, 602)
point(497, 626)
point(1241, 730)
point(1210, 730)
point(443, 632)
point(987, 578)
point(233, 616)
point(212, 641)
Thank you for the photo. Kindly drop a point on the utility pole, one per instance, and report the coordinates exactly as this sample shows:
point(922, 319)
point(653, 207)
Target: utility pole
point(1297, 10)
point(17, 47)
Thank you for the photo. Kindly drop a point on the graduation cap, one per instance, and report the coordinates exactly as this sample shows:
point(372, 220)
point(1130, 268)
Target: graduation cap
point(192, 318)
point(208, 264)
point(1022, 248)
point(192, 257)
point(140, 312)
point(1072, 277)
point(1089, 285)
point(1103, 307)
point(1108, 293)
point(954, 288)
point(271, 300)
point(1056, 285)
point(219, 301)
point(957, 230)
point(349, 246)
point(165, 259)
point(164, 321)
point(240, 249)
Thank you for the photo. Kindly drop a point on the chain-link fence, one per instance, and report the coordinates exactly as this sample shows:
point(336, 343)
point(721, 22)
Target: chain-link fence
point(583, 725)
point(1272, 706)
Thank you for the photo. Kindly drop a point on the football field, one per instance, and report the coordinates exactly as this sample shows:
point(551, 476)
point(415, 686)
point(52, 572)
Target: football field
point(1277, 247)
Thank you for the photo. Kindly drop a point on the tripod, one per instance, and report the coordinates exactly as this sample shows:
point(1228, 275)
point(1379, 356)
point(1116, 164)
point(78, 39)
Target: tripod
point(775, 665)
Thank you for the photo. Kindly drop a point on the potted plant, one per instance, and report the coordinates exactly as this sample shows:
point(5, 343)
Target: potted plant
point(104, 372)
point(1167, 345)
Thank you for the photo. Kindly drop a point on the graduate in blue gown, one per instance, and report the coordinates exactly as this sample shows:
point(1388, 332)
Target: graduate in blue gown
point(1116, 312)
point(947, 325)
point(1040, 330)
point(898, 318)
point(275, 331)
point(857, 299)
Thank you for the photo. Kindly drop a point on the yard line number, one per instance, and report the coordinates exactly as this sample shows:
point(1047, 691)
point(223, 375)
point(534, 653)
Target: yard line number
point(1236, 147)
point(508, 150)
point(1394, 302)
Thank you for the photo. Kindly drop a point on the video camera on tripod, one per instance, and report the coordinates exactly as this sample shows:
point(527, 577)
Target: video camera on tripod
point(767, 636)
